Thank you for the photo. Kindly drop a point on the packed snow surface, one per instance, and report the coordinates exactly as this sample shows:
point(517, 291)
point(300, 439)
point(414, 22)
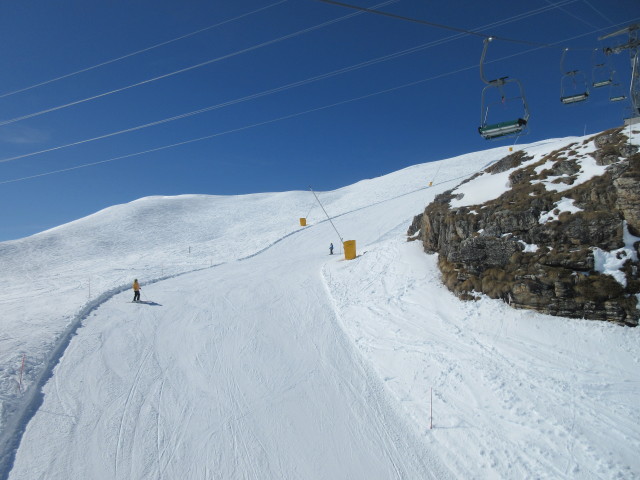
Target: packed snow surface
point(256, 354)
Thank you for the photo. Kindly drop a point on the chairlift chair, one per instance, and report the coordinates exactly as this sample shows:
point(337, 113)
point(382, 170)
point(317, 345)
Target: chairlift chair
point(601, 73)
point(490, 129)
point(573, 84)
point(506, 128)
point(601, 83)
point(616, 93)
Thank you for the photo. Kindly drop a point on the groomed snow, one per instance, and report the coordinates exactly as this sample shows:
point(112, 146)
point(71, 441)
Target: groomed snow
point(255, 354)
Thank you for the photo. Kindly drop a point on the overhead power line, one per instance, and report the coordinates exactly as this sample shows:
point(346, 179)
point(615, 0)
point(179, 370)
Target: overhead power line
point(293, 115)
point(137, 52)
point(235, 130)
point(187, 69)
point(282, 88)
point(598, 12)
point(573, 15)
point(255, 47)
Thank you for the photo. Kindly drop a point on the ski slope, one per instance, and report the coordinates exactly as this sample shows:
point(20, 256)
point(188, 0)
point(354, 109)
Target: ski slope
point(255, 354)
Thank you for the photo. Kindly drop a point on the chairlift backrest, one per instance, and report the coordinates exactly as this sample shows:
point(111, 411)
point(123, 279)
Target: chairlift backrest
point(503, 129)
point(601, 83)
point(580, 97)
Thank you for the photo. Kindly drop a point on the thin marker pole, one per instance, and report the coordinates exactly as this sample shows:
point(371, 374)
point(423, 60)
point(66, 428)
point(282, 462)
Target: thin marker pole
point(431, 410)
point(21, 371)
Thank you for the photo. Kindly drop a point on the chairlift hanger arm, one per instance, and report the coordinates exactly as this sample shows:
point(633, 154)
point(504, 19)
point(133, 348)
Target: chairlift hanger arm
point(498, 82)
point(562, 69)
point(485, 47)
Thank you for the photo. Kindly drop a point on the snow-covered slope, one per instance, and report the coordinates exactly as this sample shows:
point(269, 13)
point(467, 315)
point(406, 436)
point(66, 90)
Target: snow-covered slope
point(274, 360)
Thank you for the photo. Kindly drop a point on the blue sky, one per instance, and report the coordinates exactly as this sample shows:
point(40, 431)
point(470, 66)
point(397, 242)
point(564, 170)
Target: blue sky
point(278, 130)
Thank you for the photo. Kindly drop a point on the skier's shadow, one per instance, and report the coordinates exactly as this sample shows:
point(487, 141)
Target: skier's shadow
point(148, 302)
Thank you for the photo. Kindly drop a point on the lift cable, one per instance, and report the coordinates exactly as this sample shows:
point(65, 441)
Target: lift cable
point(598, 12)
point(68, 75)
point(186, 69)
point(438, 25)
point(567, 12)
point(203, 110)
point(95, 97)
point(282, 118)
point(264, 93)
point(137, 52)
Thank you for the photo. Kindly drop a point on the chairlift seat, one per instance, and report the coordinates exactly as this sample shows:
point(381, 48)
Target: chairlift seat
point(578, 97)
point(502, 129)
point(602, 83)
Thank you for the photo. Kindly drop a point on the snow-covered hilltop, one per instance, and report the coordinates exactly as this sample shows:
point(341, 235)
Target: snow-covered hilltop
point(259, 355)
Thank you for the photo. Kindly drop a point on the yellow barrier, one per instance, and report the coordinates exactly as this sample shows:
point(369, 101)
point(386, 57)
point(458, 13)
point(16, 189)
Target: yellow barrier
point(303, 222)
point(349, 249)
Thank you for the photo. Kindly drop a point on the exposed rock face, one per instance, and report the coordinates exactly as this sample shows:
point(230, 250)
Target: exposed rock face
point(542, 243)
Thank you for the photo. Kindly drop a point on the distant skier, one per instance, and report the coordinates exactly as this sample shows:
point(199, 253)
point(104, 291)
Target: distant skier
point(331, 249)
point(136, 291)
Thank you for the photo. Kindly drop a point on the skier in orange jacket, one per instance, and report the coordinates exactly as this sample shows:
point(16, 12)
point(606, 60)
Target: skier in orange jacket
point(136, 291)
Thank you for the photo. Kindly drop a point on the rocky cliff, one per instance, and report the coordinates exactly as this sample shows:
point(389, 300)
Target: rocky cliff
point(562, 239)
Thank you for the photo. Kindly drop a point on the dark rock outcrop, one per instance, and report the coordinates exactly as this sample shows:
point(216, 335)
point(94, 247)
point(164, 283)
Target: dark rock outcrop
point(523, 249)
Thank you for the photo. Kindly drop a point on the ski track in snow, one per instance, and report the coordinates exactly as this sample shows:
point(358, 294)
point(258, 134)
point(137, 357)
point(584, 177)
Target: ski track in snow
point(527, 387)
point(267, 384)
point(238, 402)
point(11, 435)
